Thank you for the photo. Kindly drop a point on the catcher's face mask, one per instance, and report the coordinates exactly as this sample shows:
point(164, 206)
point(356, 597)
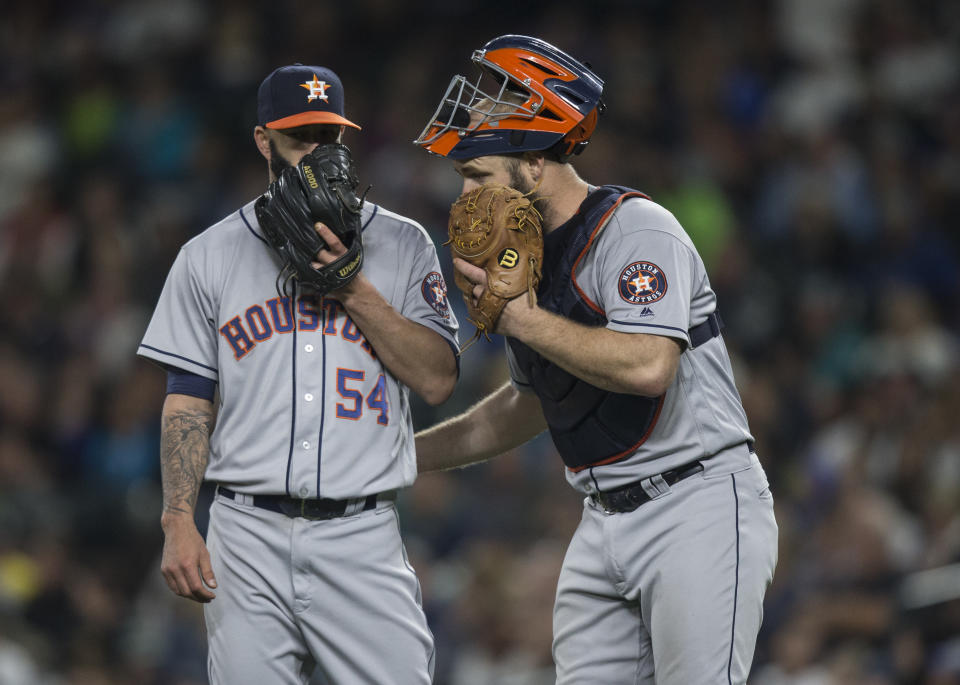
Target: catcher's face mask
point(528, 95)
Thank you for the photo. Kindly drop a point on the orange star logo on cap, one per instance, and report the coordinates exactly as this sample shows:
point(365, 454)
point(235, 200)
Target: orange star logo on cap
point(317, 88)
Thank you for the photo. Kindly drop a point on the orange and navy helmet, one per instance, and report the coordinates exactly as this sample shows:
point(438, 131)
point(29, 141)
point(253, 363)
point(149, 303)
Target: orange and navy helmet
point(529, 95)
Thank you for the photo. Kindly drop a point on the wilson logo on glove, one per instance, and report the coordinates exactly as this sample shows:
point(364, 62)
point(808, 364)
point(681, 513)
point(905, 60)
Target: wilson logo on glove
point(349, 268)
point(508, 258)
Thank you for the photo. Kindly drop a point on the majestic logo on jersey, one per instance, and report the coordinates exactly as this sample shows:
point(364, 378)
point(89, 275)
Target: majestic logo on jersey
point(642, 283)
point(317, 88)
point(434, 291)
point(645, 312)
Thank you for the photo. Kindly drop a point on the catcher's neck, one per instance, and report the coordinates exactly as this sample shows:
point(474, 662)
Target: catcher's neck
point(562, 198)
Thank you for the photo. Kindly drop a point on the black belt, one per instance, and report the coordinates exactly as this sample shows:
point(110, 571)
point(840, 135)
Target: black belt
point(629, 497)
point(313, 509)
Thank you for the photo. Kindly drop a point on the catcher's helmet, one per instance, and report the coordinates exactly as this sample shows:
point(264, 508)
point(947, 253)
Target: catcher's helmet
point(529, 95)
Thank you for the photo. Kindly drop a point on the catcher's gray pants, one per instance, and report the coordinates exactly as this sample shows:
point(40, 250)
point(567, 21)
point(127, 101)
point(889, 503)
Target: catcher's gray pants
point(293, 594)
point(672, 592)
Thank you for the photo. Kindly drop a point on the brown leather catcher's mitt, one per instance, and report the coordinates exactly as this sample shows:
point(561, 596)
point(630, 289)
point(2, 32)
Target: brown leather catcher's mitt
point(497, 229)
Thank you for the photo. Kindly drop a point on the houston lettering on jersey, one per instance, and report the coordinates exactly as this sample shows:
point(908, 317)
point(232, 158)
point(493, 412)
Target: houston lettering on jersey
point(261, 321)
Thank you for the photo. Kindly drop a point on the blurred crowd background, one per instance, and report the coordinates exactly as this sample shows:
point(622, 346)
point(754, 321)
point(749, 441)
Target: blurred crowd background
point(810, 147)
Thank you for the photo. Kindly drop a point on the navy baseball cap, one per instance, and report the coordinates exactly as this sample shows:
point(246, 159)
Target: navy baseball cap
point(299, 95)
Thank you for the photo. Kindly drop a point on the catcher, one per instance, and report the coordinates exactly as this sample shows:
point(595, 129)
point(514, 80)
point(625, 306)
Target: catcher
point(620, 357)
point(314, 313)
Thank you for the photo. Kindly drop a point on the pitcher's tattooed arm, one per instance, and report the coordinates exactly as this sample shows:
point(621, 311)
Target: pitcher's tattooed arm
point(184, 451)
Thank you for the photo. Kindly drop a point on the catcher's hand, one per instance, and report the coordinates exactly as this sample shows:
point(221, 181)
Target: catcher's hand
point(498, 229)
point(321, 188)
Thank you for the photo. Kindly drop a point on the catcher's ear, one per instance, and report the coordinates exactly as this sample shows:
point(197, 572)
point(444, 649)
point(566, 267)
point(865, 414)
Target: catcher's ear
point(535, 162)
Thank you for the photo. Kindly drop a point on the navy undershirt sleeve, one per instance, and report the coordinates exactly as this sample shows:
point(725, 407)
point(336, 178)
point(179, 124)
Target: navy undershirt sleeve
point(185, 383)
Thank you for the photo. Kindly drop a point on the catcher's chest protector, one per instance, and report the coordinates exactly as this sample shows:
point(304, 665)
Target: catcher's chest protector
point(589, 426)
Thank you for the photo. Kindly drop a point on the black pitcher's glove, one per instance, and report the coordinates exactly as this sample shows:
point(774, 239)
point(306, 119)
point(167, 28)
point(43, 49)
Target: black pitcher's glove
point(322, 187)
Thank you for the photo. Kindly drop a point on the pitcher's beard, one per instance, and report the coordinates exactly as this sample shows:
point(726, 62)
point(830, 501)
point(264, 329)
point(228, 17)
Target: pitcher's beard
point(277, 162)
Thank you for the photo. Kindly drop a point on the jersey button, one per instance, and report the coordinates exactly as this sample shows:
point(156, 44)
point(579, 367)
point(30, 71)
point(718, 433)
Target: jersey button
point(308, 397)
point(306, 445)
point(308, 348)
point(304, 492)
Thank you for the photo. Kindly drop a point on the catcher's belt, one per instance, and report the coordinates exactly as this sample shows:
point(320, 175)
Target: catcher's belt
point(629, 497)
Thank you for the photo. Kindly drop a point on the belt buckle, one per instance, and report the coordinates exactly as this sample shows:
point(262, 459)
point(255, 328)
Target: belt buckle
point(317, 514)
point(628, 500)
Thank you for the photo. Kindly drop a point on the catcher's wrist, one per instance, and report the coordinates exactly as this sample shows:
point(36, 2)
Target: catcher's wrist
point(514, 317)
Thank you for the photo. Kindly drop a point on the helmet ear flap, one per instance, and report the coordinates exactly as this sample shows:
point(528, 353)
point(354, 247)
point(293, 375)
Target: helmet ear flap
point(576, 140)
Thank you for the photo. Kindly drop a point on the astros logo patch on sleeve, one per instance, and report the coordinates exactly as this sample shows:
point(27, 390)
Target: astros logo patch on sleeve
point(434, 291)
point(642, 283)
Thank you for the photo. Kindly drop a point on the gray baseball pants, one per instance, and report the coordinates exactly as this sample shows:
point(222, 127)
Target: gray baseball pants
point(294, 595)
point(672, 592)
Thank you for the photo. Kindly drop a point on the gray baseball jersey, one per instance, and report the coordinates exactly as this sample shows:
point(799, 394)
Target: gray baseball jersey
point(306, 410)
point(645, 274)
point(672, 592)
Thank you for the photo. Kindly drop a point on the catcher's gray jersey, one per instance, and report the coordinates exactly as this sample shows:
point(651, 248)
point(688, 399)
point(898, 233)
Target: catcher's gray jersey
point(320, 415)
point(645, 274)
